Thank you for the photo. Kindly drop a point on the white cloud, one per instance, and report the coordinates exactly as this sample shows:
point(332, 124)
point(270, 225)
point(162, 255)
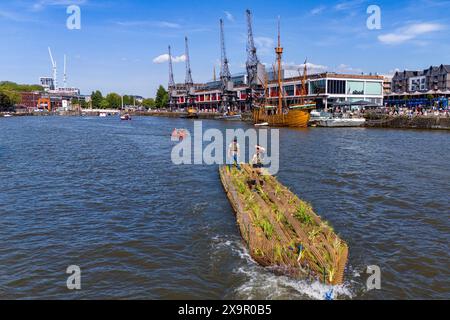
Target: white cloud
point(344, 68)
point(348, 5)
point(165, 58)
point(9, 16)
point(143, 23)
point(294, 70)
point(229, 16)
point(264, 44)
point(409, 32)
point(41, 4)
point(166, 24)
point(317, 10)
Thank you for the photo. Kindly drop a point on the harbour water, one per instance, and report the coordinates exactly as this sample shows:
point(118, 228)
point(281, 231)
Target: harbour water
point(104, 195)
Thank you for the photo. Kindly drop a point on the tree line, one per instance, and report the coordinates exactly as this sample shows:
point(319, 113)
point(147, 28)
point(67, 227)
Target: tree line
point(114, 100)
point(10, 94)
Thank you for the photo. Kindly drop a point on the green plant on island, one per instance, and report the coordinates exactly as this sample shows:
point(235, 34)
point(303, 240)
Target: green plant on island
point(267, 227)
point(302, 214)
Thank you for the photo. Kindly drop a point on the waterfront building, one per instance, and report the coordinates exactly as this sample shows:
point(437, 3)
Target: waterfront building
point(47, 83)
point(425, 88)
point(387, 84)
point(325, 89)
point(31, 101)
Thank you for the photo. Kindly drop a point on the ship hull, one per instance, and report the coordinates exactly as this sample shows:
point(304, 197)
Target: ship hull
point(294, 118)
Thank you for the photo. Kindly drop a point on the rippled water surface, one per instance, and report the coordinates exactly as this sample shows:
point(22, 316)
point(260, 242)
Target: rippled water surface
point(104, 195)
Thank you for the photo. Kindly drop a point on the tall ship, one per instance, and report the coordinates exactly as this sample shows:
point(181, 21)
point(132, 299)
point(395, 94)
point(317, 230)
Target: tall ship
point(283, 115)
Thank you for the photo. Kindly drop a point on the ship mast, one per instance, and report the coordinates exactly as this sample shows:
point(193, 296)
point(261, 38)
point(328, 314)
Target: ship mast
point(279, 52)
point(305, 77)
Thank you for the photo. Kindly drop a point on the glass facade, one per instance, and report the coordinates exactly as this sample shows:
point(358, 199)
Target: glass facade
point(374, 88)
point(336, 86)
point(355, 87)
point(317, 87)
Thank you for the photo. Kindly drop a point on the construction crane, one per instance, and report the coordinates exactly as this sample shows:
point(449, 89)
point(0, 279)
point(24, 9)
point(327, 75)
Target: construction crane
point(228, 95)
point(55, 70)
point(65, 72)
point(171, 86)
point(189, 83)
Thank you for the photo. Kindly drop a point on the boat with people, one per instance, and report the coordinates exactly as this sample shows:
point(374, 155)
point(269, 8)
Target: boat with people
point(283, 115)
point(283, 232)
point(179, 134)
point(125, 117)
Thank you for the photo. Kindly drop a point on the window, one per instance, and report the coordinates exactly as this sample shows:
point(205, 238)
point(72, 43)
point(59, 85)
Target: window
point(373, 88)
point(289, 90)
point(336, 86)
point(355, 87)
point(317, 87)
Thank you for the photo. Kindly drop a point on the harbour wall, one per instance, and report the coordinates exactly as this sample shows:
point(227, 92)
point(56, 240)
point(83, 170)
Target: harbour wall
point(406, 122)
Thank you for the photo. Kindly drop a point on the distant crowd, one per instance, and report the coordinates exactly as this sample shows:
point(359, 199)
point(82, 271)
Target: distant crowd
point(417, 112)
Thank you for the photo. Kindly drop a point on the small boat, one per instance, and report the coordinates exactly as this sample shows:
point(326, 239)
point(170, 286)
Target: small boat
point(227, 117)
point(317, 116)
point(7, 116)
point(125, 117)
point(341, 122)
point(103, 115)
point(264, 124)
point(191, 114)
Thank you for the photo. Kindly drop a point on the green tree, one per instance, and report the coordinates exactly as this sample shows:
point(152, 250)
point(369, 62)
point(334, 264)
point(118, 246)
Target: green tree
point(128, 100)
point(12, 86)
point(96, 98)
point(6, 104)
point(162, 98)
point(114, 101)
point(104, 104)
point(149, 103)
point(14, 96)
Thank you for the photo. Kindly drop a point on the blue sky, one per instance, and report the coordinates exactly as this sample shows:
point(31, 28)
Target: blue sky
point(121, 42)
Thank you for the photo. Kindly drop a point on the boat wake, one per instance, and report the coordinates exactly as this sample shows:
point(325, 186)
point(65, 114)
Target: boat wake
point(258, 283)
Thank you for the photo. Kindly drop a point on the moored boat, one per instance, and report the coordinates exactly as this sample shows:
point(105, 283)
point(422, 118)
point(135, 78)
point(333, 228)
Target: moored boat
point(295, 115)
point(125, 117)
point(341, 122)
point(235, 117)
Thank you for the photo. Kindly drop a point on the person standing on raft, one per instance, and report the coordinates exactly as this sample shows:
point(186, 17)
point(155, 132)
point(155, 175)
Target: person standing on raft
point(257, 160)
point(234, 152)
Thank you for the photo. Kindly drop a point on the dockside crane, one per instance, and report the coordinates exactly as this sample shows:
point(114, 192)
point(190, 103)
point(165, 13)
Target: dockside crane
point(228, 96)
point(171, 87)
point(189, 83)
point(254, 67)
